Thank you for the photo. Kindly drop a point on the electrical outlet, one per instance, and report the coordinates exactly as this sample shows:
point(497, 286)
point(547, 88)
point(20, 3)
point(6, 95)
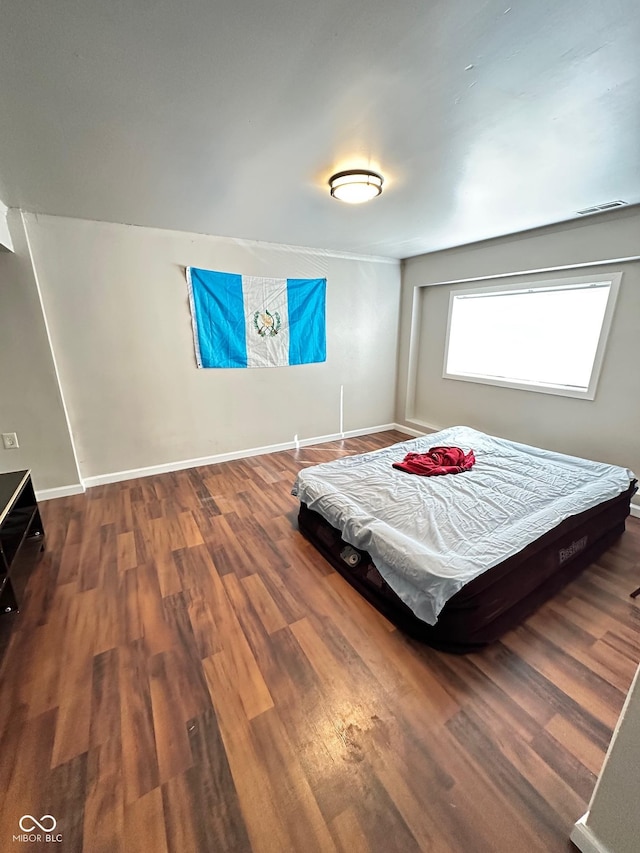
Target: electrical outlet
point(10, 440)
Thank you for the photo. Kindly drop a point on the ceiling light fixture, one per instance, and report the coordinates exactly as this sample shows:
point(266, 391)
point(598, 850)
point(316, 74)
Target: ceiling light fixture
point(356, 185)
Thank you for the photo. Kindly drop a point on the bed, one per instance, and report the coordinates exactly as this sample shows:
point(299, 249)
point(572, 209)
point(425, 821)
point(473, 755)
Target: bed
point(457, 560)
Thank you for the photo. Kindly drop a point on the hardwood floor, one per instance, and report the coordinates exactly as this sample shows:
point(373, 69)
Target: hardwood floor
point(188, 674)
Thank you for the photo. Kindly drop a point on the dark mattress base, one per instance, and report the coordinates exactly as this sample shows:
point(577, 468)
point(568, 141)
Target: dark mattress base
point(497, 600)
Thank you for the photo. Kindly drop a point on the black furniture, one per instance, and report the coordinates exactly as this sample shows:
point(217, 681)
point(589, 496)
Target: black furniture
point(20, 523)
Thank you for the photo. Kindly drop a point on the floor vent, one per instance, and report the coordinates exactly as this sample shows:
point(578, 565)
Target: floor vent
point(599, 207)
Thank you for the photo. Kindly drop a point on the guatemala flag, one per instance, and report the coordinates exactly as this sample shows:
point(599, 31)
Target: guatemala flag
point(250, 321)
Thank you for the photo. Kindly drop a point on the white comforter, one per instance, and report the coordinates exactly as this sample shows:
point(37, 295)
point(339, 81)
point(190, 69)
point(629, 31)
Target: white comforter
point(428, 536)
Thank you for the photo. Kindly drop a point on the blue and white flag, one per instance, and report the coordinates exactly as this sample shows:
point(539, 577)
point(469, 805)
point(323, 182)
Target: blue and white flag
point(250, 321)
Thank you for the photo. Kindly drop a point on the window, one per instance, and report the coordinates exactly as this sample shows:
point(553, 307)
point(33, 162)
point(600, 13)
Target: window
point(546, 336)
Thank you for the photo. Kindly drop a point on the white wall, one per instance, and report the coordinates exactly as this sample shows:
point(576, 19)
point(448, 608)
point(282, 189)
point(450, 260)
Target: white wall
point(606, 428)
point(30, 401)
point(6, 243)
point(116, 300)
point(612, 824)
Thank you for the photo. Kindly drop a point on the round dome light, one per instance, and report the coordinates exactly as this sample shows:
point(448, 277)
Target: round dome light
point(356, 185)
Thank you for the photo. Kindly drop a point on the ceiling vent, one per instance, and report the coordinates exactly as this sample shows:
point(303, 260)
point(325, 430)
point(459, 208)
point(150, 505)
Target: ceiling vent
point(600, 207)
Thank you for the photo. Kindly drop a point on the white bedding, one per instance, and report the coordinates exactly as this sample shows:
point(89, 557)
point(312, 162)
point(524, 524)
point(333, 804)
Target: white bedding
point(428, 536)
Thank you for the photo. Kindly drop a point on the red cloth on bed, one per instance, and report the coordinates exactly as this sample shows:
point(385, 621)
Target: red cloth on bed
point(437, 460)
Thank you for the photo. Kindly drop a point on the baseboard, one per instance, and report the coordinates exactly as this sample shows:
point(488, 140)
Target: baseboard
point(408, 430)
point(59, 492)
point(584, 839)
point(418, 428)
point(181, 465)
point(134, 473)
point(354, 433)
point(337, 436)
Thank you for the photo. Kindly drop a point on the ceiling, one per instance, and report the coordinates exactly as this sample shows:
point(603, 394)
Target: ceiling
point(227, 117)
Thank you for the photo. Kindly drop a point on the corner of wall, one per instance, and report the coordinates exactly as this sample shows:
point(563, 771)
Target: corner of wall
point(6, 243)
point(584, 839)
point(46, 443)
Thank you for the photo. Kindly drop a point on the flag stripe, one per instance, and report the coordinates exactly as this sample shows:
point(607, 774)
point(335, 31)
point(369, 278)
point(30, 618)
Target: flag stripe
point(265, 306)
point(219, 311)
point(307, 324)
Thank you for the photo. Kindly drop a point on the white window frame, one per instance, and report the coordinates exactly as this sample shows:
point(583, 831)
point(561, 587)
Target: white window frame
point(560, 283)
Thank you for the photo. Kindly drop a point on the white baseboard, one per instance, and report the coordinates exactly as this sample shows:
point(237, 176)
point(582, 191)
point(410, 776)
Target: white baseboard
point(354, 433)
point(336, 436)
point(59, 492)
point(584, 839)
point(181, 465)
point(409, 430)
point(134, 473)
point(418, 428)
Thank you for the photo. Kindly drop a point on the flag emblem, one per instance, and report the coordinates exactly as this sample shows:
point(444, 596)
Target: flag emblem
point(267, 324)
point(253, 321)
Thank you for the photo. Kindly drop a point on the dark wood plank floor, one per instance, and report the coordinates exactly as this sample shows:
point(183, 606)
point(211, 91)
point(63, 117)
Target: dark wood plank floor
point(188, 674)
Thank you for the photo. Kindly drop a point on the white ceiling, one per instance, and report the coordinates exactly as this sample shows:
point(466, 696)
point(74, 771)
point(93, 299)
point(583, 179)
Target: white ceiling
point(227, 116)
